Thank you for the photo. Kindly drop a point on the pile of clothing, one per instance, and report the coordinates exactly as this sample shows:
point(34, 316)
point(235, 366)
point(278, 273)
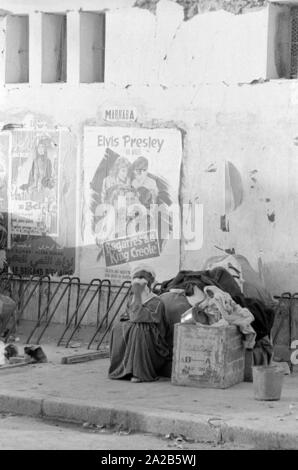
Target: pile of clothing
point(219, 309)
point(225, 302)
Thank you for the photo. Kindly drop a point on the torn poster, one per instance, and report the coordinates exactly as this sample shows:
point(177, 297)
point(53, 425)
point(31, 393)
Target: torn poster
point(33, 199)
point(41, 202)
point(131, 211)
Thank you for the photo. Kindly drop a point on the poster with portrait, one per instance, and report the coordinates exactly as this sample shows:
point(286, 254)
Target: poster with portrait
point(131, 211)
point(41, 187)
point(34, 183)
point(4, 152)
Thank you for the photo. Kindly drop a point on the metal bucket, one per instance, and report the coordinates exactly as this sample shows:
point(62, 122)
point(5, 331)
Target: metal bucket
point(267, 382)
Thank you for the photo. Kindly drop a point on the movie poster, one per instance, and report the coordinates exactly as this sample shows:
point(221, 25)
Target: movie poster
point(131, 213)
point(34, 201)
point(4, 152)
point(35, 243)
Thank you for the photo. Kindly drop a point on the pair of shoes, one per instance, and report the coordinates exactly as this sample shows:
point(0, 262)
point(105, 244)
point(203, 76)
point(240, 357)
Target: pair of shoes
point(135, 380)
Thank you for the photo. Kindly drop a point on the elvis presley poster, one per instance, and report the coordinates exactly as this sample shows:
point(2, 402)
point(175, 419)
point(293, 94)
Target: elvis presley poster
point(131, 185)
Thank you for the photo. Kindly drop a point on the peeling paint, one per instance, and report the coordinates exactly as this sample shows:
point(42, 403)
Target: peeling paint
point(224, 223)
point(147, 4)
point(233, 187)
point(229, 251)
point(211, 168)
point(195, 7)
point(5, 12)
point(271, 216)
point(11, 125)
point(258, 81)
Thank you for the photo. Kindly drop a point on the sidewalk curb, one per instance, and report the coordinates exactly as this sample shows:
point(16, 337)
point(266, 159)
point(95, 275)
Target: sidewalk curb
point(200, 428)
point(137, 420)
point(259, 438)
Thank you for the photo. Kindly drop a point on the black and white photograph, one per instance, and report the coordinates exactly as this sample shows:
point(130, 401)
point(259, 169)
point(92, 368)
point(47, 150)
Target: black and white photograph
point(149, 231)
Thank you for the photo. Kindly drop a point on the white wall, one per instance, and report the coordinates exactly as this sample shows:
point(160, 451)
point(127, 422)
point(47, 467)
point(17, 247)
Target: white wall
point(195, 75)
point(209, 48)
point(147, 49)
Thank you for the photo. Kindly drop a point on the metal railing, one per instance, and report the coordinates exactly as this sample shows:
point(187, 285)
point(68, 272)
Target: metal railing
point(79, 298)
point(125, 285)
point(97, 283)
point(64, 280)
point(34, 282)
point(44, 295)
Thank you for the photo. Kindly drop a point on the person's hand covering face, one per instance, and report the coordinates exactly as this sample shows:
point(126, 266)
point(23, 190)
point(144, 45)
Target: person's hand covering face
point(138, 286)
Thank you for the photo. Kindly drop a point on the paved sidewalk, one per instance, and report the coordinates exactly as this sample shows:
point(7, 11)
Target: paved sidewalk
point(83, 393)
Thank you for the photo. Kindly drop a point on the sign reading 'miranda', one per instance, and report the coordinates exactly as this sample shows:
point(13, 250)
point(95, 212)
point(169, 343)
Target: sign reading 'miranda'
point(120, 113)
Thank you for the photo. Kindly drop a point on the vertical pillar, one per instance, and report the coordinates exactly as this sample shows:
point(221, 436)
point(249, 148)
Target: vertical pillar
point(73, 47)
point(35, 48)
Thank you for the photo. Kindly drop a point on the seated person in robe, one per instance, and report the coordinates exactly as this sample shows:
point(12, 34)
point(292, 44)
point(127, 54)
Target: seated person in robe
point(138, 350)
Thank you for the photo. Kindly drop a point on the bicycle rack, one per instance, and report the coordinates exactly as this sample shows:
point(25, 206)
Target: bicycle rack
point(125, 284)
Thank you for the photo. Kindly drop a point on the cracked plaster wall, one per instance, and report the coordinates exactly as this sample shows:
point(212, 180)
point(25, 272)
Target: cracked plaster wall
point(190, 75)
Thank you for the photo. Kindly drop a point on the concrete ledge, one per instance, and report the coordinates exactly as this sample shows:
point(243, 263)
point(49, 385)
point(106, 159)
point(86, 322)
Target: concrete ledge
point(135, 420)
point(200, 428)
point(261, 439)
point(76, 411)
point(18, 404)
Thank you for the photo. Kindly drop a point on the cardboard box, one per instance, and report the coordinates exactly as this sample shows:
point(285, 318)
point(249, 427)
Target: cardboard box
point(207, 356)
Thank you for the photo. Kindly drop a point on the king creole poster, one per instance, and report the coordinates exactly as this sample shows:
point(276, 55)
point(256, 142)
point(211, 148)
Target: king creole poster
point(131, 185)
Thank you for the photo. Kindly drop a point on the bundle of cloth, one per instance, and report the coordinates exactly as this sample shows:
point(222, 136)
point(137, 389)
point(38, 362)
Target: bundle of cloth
point(225, 301)
point(219, 309)
point(251, 282)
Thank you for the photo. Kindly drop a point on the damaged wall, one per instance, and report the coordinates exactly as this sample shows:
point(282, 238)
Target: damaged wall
point(255, 130)
point(212, 47)
point(195, 7)
point(208, 48)
point(194, 75)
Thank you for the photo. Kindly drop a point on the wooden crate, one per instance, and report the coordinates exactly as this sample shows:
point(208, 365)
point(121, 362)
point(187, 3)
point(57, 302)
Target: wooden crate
point(206, 356)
